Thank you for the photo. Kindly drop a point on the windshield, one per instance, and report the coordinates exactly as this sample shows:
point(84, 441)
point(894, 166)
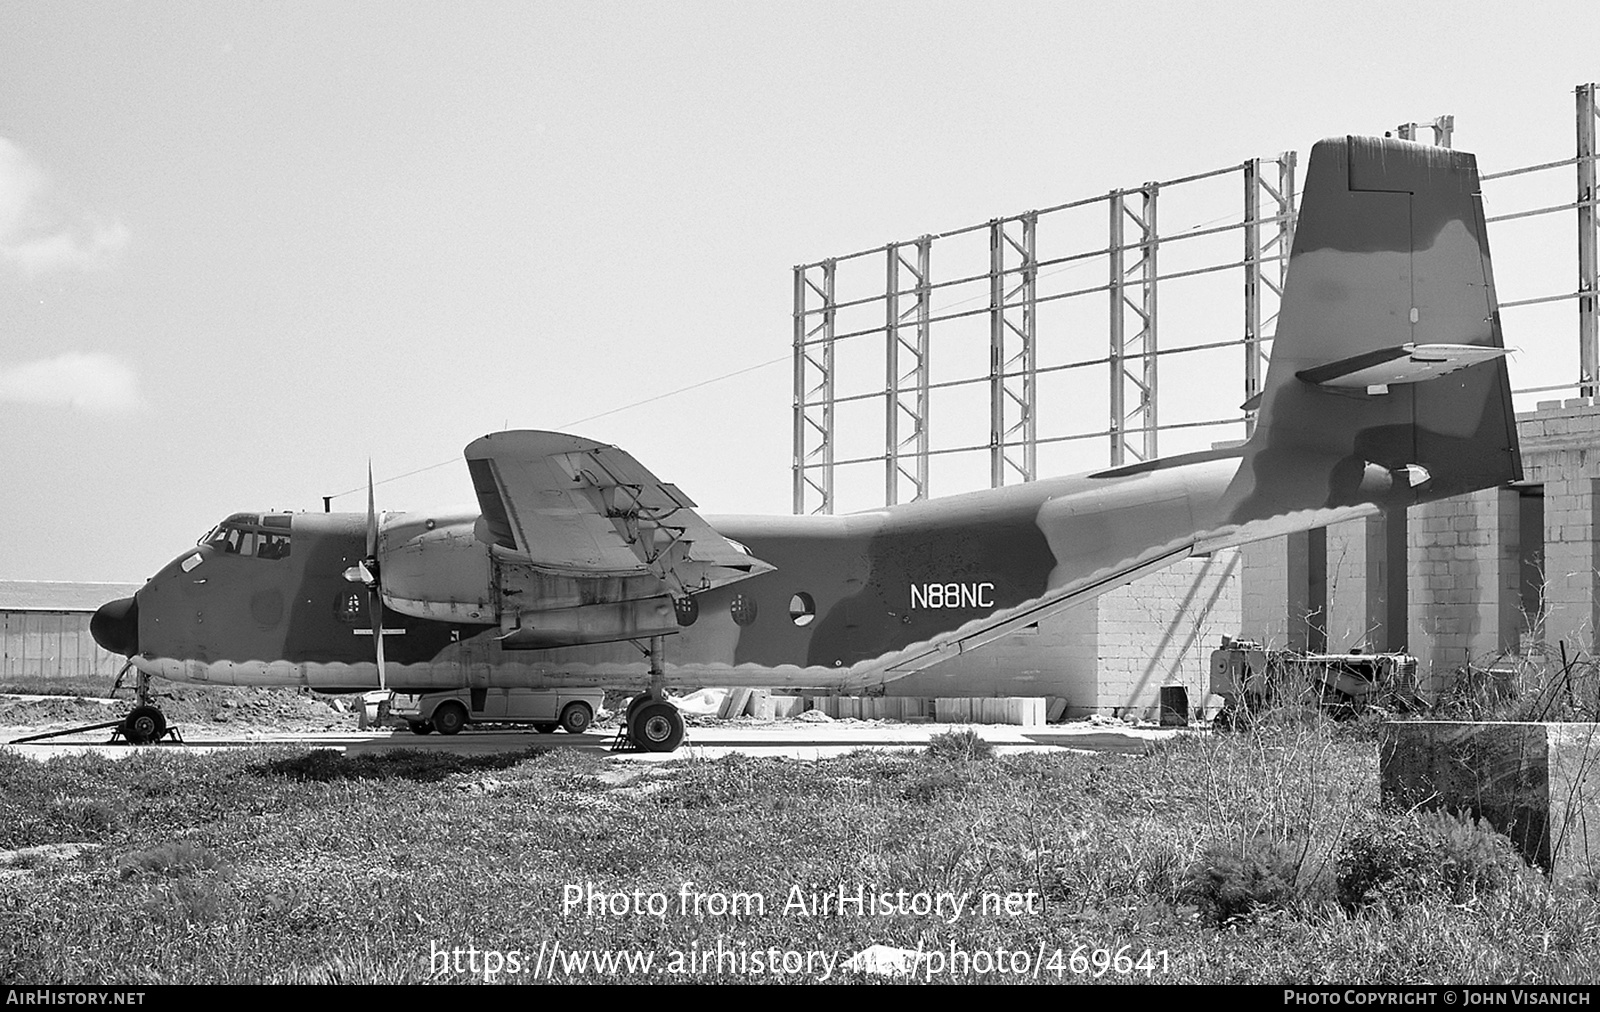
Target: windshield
point(251, 535)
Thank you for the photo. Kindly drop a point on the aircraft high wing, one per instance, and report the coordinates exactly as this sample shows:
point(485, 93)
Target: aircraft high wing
point(576, 542)
point(571, 505)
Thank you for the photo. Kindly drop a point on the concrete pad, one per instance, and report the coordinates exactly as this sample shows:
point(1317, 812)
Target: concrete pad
point(1537, 783)
point(795, 739)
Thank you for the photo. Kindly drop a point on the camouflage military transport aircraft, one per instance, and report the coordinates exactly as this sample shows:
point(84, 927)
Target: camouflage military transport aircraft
point(1387, 387)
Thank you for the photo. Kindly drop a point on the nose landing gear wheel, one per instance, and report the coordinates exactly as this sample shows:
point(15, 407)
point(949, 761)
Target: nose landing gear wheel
point(656, 726)
point(145, 724)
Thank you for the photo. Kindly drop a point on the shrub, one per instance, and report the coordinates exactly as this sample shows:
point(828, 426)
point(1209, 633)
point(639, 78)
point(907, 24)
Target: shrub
point(1416, 857)
point(421, 765)
point(1230, 883)
point(963, 745)
point(935, 785)
point(173, 859)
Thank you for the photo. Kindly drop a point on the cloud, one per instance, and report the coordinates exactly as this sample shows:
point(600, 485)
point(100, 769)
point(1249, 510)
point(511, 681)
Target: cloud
point(85, 381)
point(37, 234)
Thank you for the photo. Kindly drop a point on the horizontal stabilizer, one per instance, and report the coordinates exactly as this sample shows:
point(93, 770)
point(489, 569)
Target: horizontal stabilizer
point(1406, 363)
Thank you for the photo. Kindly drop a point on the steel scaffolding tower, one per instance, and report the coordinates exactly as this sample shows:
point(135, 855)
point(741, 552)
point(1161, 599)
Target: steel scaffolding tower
point(1025, 275)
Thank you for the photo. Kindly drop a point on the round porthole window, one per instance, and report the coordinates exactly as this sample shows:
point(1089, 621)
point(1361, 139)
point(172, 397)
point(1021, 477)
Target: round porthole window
point(688, 610)
point(743, 609)
point(802, 609)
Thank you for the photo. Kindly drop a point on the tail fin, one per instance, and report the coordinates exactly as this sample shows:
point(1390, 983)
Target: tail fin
point(1387, 379)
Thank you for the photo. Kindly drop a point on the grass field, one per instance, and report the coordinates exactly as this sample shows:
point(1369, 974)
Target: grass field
point(1226, 858)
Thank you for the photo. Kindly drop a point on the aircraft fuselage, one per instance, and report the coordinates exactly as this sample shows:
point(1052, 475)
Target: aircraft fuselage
point(854, 602)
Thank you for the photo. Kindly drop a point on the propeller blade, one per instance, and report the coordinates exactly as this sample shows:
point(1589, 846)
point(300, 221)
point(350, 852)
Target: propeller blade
point(375, 606)
point(368, 572)
point(372, 516)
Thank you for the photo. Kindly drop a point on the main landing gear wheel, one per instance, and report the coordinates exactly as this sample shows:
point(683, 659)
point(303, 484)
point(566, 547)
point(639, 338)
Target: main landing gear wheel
point(449, 718)
point(144, 725)
point(575, 718)
point(655, 726)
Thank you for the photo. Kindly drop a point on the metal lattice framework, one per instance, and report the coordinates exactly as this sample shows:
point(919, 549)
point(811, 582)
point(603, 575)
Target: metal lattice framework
point(1024, 276)
point(1588, 280)
point(1013, 349)
point(1133, 323)
point(906, 309)
point(1268, 236)
point(813, 384)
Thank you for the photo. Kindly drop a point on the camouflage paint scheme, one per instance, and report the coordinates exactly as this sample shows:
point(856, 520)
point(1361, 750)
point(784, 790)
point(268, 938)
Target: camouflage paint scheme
point(1389, 251)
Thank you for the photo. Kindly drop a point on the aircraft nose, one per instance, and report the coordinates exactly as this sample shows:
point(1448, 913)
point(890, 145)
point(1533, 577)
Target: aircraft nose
point(115, 626)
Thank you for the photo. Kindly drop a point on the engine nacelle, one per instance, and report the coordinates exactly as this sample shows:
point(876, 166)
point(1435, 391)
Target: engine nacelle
point(434, 566)
point(444, 567)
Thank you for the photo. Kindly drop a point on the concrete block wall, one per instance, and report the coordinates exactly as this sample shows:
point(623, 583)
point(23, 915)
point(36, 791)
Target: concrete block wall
point(1463, 580)
point(1271, 612)
point(1054, 659)
point(1561, 451)
point(1161, 631)
point(1358, 591)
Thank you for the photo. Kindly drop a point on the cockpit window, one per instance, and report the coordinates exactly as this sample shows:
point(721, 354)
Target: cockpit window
point(252, 536)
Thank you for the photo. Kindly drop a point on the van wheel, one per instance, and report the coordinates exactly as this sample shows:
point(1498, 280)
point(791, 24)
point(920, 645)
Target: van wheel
point(576, 717)
point(419, 726)
point(449, 718)
point(545, 727)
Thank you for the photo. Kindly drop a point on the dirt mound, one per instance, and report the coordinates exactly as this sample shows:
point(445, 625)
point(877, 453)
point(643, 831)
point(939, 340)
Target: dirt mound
point(268, 709)
point(58, 710)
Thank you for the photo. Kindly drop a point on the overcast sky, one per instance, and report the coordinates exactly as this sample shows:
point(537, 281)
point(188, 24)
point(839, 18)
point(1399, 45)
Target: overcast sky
point(245, 247)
